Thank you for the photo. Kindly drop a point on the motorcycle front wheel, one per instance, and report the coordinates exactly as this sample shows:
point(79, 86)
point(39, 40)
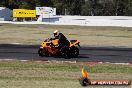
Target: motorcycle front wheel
point(43, 52)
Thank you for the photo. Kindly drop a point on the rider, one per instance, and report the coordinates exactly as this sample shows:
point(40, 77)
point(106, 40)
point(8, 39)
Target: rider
point(62, 42)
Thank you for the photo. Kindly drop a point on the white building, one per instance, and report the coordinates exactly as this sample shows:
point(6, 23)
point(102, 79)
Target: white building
point(45, 11)
point(5, 14)
point(46, 14)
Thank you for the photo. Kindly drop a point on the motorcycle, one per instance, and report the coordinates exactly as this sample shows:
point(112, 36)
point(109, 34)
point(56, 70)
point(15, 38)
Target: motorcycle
point(48, 48)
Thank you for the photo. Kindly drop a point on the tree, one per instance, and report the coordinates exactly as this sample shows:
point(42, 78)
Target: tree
point(76, 7)
point(58, 4)
point(87, 9)
point(121, 7)
point(129, 8)
point(24, 5)
point(108, 8)
point(2, 3)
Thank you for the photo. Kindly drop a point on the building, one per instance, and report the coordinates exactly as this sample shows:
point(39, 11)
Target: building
point(46, 14)
point(5, 14)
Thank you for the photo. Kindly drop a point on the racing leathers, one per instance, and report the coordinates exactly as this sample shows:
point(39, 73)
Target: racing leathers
point(62, 41)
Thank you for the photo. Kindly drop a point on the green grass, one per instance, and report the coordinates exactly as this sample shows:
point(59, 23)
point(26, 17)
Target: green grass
point(16, 74)
point(98, 68)
point(91, 36)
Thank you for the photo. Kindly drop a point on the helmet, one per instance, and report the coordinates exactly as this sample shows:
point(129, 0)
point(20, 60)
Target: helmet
point(56, 33)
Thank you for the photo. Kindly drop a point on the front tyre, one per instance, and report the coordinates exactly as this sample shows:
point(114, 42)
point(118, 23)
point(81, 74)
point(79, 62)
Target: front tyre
point(43, 52)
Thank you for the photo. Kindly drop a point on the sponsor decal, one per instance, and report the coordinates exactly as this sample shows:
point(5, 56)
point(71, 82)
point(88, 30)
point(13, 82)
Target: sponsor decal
point(85, 81)
point(24, 13)
point(45, 11)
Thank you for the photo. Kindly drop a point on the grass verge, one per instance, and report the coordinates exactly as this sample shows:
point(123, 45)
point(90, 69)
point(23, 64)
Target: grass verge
point(16, 74)
point(91, 36)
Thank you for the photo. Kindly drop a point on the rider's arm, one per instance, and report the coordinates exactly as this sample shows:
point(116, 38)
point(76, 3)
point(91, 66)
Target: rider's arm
point(62, 37)
point(52, 38)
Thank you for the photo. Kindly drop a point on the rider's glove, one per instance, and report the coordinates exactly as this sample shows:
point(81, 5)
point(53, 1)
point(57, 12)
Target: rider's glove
point(56, 46)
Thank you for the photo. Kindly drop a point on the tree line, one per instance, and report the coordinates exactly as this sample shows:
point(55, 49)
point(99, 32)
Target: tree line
point(76, 7)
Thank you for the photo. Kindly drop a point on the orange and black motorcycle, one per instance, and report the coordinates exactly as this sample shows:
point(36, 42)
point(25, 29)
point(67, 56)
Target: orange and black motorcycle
point(48, 48)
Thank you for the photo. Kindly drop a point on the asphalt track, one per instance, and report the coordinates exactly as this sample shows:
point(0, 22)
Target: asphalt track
point(90, 54)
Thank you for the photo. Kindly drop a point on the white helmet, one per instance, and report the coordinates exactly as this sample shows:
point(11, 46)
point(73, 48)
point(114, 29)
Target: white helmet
point(56, 33)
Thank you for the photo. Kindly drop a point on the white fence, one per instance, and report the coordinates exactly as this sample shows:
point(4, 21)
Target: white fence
point(121, 21)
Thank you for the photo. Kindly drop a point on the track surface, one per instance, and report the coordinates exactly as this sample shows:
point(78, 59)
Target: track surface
point(93, 54)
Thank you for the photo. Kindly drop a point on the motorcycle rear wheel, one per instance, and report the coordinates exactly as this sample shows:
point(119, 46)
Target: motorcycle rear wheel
point(74, 52)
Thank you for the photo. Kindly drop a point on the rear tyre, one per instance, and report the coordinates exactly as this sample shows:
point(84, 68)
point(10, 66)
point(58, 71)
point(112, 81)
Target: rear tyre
point(74, 52)
point(43, 52)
